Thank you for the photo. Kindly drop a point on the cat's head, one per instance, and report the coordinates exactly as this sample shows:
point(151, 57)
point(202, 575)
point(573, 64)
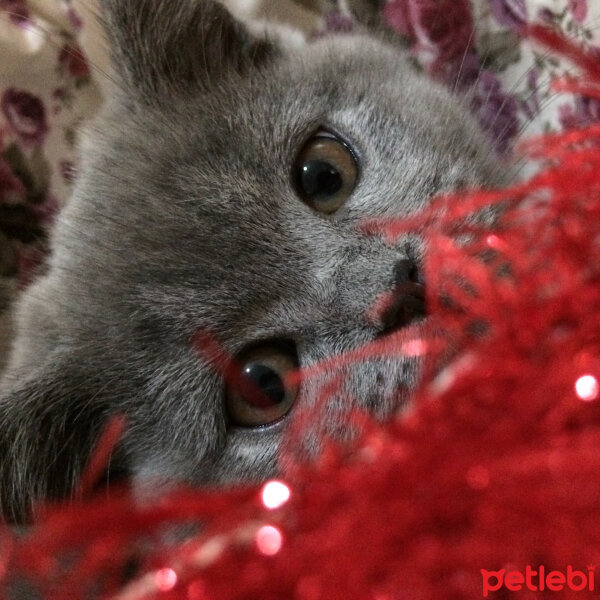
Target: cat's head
point(217, 216)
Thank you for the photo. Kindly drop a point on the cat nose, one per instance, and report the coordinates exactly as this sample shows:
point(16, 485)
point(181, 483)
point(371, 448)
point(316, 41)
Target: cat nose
point(407, 298)
point(406, 270)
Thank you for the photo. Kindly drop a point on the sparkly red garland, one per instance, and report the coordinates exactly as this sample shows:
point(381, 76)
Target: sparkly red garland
point(497, 467)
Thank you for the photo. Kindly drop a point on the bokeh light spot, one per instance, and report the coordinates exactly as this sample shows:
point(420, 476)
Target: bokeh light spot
point(493, 241)
point(275, 494)
point(268, 540)
point(587, 388)
point(165, 580)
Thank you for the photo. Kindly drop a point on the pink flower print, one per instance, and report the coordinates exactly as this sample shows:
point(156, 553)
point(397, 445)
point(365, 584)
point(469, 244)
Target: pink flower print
point(579, 9)
point(26, 115)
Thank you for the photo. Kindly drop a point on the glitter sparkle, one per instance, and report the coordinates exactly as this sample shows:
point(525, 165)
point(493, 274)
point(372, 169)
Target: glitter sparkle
point(275, 494)
point(268, 540)
point(587, 388)
point(165, 580)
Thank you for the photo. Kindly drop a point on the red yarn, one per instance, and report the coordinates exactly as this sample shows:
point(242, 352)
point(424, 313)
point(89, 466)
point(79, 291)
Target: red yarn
point(497, 467)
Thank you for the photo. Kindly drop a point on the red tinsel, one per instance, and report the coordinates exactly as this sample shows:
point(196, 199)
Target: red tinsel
point(496, 467)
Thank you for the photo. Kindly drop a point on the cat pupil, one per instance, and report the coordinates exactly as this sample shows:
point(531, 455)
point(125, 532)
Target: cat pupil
point(320, 180)
point(267, 382)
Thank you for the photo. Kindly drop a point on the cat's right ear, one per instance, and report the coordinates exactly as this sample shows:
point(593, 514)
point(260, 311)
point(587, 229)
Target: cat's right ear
point(161, 47)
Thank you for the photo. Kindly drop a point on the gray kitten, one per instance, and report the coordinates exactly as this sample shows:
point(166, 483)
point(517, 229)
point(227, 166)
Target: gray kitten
point(222, 192)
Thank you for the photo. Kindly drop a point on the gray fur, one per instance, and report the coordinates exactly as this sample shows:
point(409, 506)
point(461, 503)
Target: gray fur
point(184, 218)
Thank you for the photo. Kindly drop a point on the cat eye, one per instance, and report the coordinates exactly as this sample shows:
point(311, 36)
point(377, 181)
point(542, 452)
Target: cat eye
point(325, 173)
point(257, 391)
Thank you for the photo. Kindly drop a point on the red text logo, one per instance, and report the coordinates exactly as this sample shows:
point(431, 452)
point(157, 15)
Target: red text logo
point(538, 580)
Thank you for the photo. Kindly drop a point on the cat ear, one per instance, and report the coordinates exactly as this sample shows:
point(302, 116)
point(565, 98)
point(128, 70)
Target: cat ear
point(162, 46)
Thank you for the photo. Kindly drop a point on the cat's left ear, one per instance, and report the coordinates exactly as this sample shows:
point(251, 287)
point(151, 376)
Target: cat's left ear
point(163, 46)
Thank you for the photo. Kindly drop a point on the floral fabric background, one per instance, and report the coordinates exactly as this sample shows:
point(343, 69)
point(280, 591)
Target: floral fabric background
point(52, 76)
point(478, 46)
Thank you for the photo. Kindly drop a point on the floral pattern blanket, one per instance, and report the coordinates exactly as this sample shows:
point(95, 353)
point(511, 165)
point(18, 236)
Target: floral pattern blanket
point(53, 71)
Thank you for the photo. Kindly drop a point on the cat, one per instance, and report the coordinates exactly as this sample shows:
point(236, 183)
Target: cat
point(220, 198)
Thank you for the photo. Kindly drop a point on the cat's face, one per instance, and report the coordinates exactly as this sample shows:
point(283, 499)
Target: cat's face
point(218, 215)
